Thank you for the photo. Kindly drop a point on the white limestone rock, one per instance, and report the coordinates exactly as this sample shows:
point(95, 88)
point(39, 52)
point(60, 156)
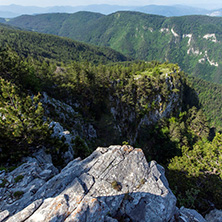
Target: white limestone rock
point(112, 183)
point(214, 216)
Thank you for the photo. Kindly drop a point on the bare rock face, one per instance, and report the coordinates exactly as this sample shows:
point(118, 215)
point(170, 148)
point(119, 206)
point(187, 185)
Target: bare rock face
point(214, 216)
point(187, 215)
point(112, 184)
point(18, 187)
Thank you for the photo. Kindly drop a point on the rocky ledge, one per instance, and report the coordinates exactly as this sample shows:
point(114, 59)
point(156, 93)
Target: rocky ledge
point(112, 184)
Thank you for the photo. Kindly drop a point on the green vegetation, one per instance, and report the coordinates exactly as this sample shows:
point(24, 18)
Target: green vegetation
point(80, 148)
point(18, 178)
point(18, 194)
point(146, 104)
point(23, 125)
point(210, 99)
point(3, 183)
point(116, 185)
point(196, 175)
point(51, 48)
point(142, 36)
point(21, 122)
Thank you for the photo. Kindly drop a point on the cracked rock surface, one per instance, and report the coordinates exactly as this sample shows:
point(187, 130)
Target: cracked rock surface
point(112, 184)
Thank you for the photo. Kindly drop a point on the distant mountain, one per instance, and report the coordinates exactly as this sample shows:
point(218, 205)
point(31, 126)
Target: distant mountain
point(194, 42)
point(61, 24)
point(215, 13)
point(2, 20)
point(19, 10)
point(11, 11)
point(174, 10)
point(6, 14)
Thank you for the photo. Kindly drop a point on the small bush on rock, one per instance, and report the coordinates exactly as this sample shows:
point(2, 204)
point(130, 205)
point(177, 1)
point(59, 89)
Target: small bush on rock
point(18, 178)
point(116, 185)
point(18, 194)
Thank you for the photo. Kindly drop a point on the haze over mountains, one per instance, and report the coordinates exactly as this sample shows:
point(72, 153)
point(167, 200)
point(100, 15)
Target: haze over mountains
point(11, 11)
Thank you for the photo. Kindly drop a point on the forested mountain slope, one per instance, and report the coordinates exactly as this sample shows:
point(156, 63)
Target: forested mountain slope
point(69, 107)
point(82, 105)
point(210, 96)
point(39, 46)
point(194, 42)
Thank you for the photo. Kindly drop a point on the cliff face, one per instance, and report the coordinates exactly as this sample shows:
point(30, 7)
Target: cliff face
point(126, 106)
point(112, 184)
point(132, 109)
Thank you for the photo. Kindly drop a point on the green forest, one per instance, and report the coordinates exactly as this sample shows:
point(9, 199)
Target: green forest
point(52, 48)
point(194, 42)
point(174, 118)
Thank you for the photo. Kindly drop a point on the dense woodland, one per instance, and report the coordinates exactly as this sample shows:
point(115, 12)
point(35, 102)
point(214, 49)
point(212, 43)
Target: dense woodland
point(210, 96)
point(142, 36)
point(184, 141)
point(52, 48)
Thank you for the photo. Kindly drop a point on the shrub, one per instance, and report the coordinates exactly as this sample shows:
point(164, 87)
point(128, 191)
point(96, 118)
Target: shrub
point(18, 178)
point(4, 181)
point(80, 148)
point(116, 185)
point(18, 194)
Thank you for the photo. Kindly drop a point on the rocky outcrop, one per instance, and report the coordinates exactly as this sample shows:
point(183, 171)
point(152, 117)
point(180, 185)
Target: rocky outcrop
point(18, 188)
point(61, 112)
point(214, 216)
point(64, 116)
point(112, 184)
point(187, 215)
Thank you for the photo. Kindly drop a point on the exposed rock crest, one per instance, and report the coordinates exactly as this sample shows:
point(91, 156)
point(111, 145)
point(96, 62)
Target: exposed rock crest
point(112, 184)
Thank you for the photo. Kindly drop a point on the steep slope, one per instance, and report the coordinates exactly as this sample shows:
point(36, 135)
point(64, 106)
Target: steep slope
point(39, 46)
point(84, 105)
point(194, 42)
point(210, 96)
point(117, 100)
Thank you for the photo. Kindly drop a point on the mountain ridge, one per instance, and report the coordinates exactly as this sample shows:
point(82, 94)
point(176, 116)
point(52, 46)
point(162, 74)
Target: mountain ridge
point(165, 10)
point(193, 42)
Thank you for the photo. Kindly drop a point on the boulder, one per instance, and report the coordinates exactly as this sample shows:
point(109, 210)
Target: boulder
point(112, 184)
point(214, 216)
point(189, 215)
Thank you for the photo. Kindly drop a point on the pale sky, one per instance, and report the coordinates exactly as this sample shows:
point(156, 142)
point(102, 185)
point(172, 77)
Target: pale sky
point(43, 3)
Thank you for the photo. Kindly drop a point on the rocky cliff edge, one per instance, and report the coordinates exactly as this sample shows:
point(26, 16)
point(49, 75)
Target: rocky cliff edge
point(112, 184)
